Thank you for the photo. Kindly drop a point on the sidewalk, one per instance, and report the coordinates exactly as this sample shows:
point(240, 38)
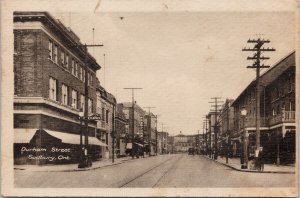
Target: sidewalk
point(74, 167)
point(235, 164)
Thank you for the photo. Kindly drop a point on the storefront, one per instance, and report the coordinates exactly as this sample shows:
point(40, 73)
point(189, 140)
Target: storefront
point(34, 146)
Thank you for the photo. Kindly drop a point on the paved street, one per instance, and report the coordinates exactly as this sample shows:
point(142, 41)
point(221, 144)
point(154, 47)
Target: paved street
point(179, 170)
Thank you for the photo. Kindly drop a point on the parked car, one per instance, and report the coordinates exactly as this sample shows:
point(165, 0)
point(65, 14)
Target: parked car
point(191, 151)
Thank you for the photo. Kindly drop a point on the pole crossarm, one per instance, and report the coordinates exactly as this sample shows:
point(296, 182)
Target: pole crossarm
point(257, 49)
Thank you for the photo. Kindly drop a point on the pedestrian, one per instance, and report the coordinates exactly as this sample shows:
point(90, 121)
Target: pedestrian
point(261, 159)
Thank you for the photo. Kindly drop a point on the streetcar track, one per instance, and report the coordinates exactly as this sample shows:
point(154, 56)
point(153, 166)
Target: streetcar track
point(175, 164)
point(142, 174)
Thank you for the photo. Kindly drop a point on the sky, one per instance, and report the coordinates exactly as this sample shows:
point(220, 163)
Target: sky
point(180, 59)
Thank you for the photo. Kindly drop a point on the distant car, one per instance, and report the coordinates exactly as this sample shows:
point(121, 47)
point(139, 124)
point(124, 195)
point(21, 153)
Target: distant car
point(191, 151)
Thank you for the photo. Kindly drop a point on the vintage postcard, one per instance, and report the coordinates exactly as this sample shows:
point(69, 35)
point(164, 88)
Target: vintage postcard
point(149, 98)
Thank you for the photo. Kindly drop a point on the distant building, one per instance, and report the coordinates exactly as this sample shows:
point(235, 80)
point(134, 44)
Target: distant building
point(121, 132)
point(150, 127)
point(162, 147)
point(139, 115)
point(226, 118)
point(277, 121)
point(183, 142)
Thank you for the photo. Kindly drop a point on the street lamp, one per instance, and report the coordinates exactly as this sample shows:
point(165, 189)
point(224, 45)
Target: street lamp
point(244, 155)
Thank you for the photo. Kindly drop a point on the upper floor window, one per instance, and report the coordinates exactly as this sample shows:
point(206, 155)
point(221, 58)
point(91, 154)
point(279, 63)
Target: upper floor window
point(90, 105)
point(73, 67)
point(74, 99)
point(67, 61)
point(62, 58)
point(50, 49)
point(80, 72)
point(55, 54)
point(106, 116)
point(64, 94)
point(52, 89)
point(76, 69)
point(103, 112)
point(91, 79)
point(83, 75)
point(82, 102)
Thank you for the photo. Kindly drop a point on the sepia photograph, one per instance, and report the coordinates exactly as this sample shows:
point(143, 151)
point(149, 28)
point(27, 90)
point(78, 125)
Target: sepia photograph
point(157, 98)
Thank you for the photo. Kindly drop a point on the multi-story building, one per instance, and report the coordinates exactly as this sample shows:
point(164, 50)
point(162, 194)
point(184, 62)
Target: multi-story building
point(170, 145)
point(226, 117)
point(277, 112)
point(106, 107)
point(162, 142)
point(121, 123)
point(212, 118)
point(150, 127)
point(139, 115)
point(183, 142)
point(50, 64)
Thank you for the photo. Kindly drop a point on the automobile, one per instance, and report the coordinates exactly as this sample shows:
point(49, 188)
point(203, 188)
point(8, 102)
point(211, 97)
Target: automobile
point(191, 151)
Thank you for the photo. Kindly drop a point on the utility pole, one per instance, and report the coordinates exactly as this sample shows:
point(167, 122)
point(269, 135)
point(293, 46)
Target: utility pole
point(198, 142)
point(113, 135)
point(257, 57)
point(86, 110)
point(155, 134)
point(206, 130)
point(215, 112)
point(149, 128)
point(132, 123)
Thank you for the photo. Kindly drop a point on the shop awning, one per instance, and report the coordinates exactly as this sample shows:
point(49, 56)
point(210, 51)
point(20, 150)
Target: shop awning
point(23, 135)
point(74, 139)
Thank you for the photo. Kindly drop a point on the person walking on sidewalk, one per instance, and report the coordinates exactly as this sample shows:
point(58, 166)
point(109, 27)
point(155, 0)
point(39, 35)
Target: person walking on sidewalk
point(261, 159)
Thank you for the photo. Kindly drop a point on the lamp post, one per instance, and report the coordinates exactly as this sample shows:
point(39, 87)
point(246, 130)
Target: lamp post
point(245, 141)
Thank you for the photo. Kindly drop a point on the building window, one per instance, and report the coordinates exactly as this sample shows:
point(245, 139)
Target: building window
point(67, 61)
point(91, 79)
point(103, 113)
point(52, 89)
point(55, 54)
point(50, 49)
point(74, 99)
point(73, 67)
point(106, 116)
point(62, 58)
point(64, 94)
point(80, 72)
point(88, 78)
point(90, 105)
point(76, 69)
point(82, 102)
point(83, 75)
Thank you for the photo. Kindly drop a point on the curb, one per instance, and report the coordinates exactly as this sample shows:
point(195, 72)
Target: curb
point(251, 171)
point(81, 169)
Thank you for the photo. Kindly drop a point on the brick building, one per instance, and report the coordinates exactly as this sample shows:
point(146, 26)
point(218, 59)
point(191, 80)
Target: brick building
point(150, 130)
point(226, 118)
point(277, 121)
point(49, 90)
point(139, 115)
point(106, 107)
point(121, 132)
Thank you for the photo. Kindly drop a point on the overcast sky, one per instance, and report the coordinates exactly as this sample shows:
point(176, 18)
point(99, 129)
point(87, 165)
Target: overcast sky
point(180, 59)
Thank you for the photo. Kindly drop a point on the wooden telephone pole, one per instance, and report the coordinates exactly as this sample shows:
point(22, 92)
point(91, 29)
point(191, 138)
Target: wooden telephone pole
point(132, 123)
point(215, 112)
point(257, 57)
point(149, 128)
